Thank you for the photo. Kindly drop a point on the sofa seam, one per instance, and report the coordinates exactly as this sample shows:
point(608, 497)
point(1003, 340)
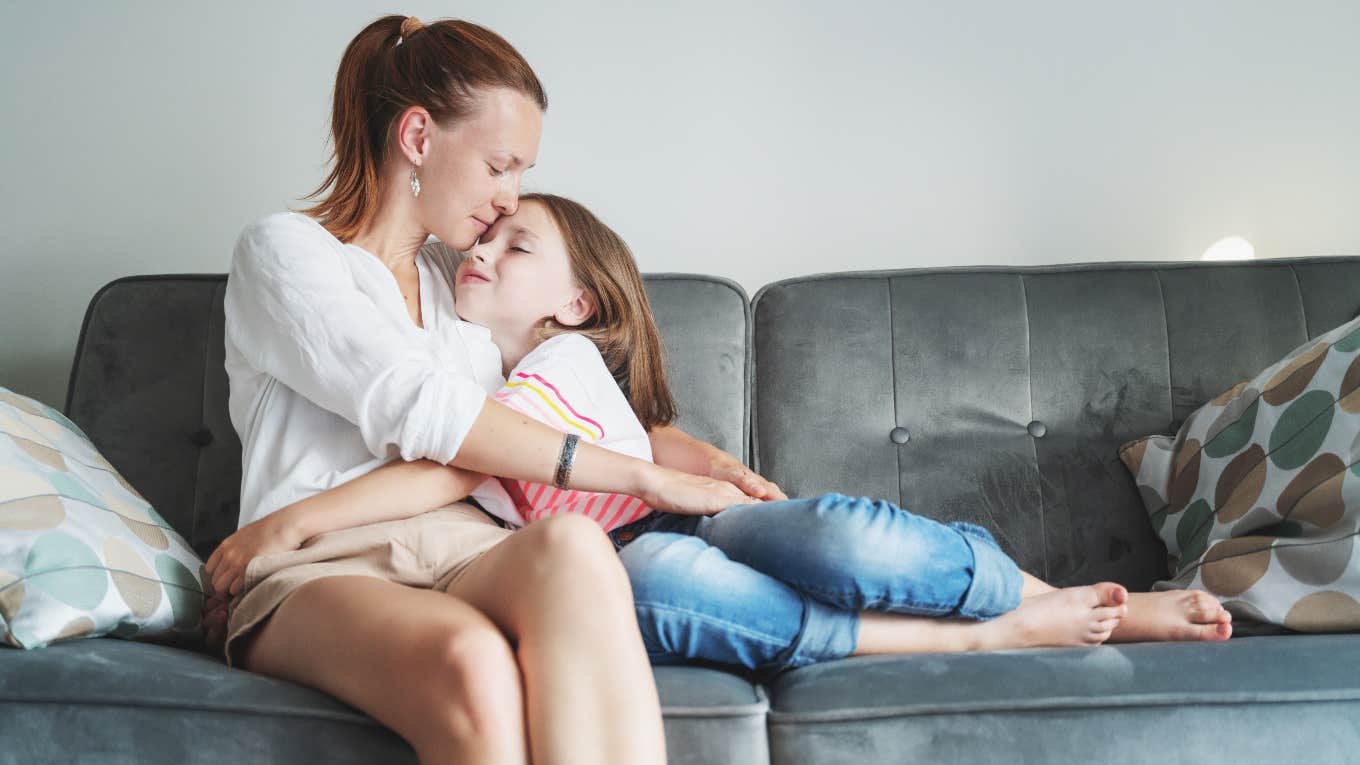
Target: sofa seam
point(1060, 703)
point(203, 409)
point(1303, 309)
point(1166, 334)
point(1033, 442)
point(892, 365)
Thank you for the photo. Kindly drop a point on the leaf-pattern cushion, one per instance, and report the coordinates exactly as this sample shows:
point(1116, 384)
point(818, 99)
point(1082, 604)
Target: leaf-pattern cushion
point(1257, 497)
point(82, 554)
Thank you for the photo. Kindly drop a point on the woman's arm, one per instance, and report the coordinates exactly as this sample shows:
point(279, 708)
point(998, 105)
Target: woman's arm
point(676, 449)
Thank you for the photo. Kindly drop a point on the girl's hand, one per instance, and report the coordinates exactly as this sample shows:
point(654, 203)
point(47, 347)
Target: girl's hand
point(227, 565)
point(688, 494)
point(725, 467)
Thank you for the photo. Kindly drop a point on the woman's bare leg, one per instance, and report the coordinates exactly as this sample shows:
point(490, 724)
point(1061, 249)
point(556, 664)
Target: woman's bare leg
point(431, 668)
point(558, 591)
point(1072, 616)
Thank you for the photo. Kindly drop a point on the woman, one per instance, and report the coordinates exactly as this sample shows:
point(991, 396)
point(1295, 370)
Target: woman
point(342, 354)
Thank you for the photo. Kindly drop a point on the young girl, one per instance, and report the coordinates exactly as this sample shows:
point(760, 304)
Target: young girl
point(766, 585)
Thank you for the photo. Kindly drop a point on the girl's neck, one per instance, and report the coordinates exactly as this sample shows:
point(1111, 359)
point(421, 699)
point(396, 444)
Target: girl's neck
point(514, 346)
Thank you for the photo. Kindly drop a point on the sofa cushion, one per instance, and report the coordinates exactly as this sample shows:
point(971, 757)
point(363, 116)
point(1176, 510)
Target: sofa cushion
point(1256, 498)
point(1259, 699)
point(81, 553)
point(115, 701)
point(1000, 396)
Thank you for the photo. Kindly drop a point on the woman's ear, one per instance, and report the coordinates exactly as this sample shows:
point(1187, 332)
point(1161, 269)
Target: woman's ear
point(576, 311)
point(413, 134)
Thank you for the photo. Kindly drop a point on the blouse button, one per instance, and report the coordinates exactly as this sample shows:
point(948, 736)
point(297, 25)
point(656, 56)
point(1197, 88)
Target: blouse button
point(1037, 429)
point(900, 435)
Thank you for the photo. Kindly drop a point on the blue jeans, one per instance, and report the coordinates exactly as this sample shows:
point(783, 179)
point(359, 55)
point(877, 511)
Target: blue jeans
point(780, 584)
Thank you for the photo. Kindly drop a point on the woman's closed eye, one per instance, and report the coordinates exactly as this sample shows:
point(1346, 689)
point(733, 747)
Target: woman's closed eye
point(493, 170)
point(519, 249)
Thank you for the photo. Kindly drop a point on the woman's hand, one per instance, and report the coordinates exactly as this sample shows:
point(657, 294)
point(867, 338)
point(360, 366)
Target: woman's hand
point(227, 565)
point(725, 467)
point(688, 494)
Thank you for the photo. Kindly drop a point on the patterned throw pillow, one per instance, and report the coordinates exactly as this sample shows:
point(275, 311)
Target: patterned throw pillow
point(1258, 496)
point(81, 553)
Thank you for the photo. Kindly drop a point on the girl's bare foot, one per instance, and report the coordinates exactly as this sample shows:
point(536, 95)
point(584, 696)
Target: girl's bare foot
point(1174, 615)
point(1072, 616)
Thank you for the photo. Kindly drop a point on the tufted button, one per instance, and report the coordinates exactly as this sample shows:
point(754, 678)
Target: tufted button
point(1037, 429)
point(900, 435)
point(203, 437)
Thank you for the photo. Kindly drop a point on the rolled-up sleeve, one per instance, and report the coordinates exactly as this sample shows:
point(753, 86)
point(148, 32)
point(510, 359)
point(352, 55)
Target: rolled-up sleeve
point(295, 313)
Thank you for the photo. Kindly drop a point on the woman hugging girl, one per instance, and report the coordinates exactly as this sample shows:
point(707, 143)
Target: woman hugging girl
point(771, 585)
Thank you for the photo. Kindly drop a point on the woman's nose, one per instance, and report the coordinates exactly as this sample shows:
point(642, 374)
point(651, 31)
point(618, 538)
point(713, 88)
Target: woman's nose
point(506, 200)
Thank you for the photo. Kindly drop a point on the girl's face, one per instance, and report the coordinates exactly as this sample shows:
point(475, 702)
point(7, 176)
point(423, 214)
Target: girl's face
point(471, 173)
point(518, 275)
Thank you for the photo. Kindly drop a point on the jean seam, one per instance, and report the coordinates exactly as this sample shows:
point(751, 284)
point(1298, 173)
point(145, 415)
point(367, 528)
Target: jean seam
point(734, 627)
point(811, 589)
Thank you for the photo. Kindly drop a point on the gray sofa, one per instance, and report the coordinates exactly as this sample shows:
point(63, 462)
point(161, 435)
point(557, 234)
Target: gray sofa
point(992, 395)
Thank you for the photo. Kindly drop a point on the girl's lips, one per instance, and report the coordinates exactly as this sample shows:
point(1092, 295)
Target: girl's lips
point(472, 277)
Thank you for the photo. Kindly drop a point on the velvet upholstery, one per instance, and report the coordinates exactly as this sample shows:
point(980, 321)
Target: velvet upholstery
point(993, 395)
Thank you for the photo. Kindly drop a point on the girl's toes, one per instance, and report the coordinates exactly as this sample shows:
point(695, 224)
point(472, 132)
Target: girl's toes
point(1110, 593)
point(1110, 612)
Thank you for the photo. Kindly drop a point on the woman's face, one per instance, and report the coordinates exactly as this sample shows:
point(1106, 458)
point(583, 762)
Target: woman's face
point(518, 275)
point(472, 171)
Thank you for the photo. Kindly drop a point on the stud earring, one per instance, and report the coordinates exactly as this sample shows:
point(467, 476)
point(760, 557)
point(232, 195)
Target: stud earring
point(415, 182)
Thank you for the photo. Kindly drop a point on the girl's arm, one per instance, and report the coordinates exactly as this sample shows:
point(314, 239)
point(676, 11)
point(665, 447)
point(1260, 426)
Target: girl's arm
point(678, 450)
point(396, 490)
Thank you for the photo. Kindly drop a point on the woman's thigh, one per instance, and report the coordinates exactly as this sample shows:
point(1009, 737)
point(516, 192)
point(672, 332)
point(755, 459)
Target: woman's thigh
point(424, 664)
point(542, 575)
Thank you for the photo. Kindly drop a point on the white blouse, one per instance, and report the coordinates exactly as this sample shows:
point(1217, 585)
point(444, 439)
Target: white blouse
point(329, 377)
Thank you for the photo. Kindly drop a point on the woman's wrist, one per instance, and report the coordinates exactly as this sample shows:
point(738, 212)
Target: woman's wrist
point(290, 523)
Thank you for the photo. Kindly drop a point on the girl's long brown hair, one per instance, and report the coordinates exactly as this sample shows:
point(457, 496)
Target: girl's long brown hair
point(621, 325)
point(393, 64)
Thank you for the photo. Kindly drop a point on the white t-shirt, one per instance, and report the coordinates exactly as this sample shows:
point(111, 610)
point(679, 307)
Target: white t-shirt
point(329, 377)
point(564, 383)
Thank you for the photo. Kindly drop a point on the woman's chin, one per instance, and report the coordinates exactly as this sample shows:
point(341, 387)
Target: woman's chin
point(460, 241)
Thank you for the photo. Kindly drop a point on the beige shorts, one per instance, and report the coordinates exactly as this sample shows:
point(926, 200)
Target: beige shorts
point(431, 550)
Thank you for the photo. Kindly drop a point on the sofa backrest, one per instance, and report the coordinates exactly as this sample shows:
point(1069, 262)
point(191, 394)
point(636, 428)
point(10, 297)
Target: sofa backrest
point(149, 388)
point(1012, 388)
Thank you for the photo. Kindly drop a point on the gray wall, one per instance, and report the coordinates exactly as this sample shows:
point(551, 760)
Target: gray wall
point(756, 141)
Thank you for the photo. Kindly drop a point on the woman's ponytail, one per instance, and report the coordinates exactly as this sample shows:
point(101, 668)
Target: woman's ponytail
point(355, 151)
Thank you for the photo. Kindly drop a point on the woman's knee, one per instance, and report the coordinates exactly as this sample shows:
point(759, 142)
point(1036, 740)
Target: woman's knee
point(473, 678)
point(576, 544)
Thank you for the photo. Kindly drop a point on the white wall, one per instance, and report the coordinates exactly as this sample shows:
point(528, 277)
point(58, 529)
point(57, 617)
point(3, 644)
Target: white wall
point(757, 142)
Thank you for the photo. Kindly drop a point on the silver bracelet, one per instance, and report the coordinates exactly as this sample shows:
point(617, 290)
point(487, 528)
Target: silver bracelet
point(565, 460)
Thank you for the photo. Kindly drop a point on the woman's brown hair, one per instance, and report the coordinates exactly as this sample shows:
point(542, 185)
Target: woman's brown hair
point(393, 64)
point(621, 325)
